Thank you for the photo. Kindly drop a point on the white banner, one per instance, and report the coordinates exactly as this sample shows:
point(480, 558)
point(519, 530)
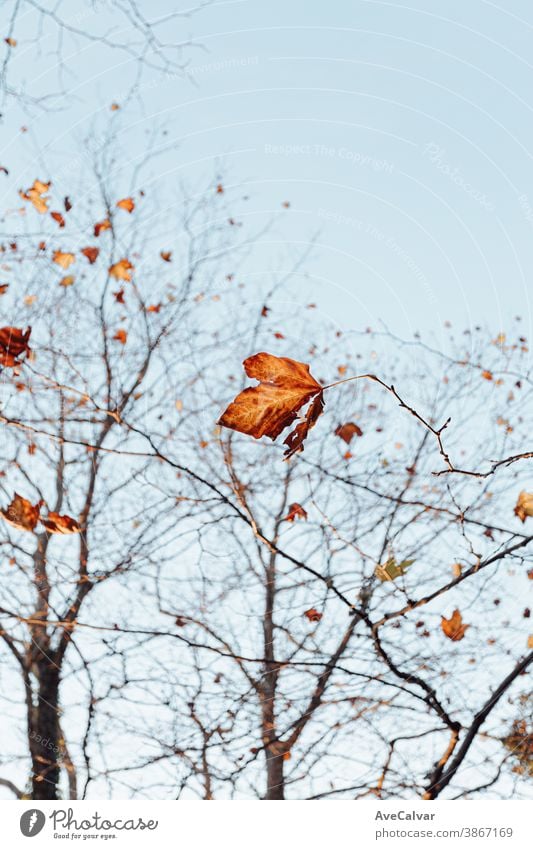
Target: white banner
point(241, 825)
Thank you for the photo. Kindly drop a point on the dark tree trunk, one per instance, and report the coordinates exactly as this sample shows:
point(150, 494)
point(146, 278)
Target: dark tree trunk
point(275, 778)
point(45, 734)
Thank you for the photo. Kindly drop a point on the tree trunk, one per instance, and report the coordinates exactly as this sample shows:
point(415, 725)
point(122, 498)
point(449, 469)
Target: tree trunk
point(275, 777)
point(45, 734)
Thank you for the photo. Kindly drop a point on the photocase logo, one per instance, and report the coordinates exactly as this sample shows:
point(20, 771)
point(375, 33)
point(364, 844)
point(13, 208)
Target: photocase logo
point(32, 822)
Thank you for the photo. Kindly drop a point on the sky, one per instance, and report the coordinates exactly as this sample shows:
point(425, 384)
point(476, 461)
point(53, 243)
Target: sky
point(388, 143)
point(399, 134)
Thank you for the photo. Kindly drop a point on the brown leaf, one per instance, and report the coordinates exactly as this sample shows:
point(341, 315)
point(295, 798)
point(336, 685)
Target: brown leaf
point(121, 270)
point(91, 254)
point(348, 431)
point(56, 524)
point(63, 259)
point(313, 615)
point(3, 288)
point(12, 42)
point(21, 513)
point(13, 345)
point(453, 628)
point(524, 505)
point(285, 385)
point(127, 204)
point(119, 296)
point(67, 204)
point(121, 336)
point(101, 226)
point(36, 196)
point(295, 510)
point(67, 281)
point(294, 441)
point(57, 216)
point(487, 375)
point(166, 256)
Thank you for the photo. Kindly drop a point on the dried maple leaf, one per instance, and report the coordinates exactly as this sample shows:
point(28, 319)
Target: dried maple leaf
point(13, 345)
point(487, 375)
point(36, 196)
point(295, 510)
point(119, 296)
point(67, 281)
point(313, 615)
point(91, 254)
point(524, 505)
point(21, 513)
point(57, 216)
point(348, 431)
point(101, 226)
point(121, 336)
point(166, 256)
point(121, 270)
point(64, 259)
point(126, 203)
point(12, 42)
point(3, 288)
point(57, 524)
point(294, 441)
point(285, 385)
point(453, 628)
point(67, 204)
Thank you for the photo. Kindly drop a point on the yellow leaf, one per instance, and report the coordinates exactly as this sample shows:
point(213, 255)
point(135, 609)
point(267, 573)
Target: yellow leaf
point(63, 259)
point(121, 270)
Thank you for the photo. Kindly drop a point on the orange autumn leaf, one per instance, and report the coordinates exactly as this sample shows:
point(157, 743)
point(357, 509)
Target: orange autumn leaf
point(91, 254)
point(487, 375)
point(524, 505)
point(119, 296)
point(36, 196)
point(295, 510)
point(64, 259)
point(3, 288)
point(454, 628)
point(114, 107)
point(121, 270)
point(56, 524)
point(121, 336)
point(13, 345)
point(127, 204)
point(154, 308)
point(166, 256)
point(101, 226)
point(313, 615)
point(21, 513)
point(57, 216)
point(285, 386)
point(348, 431)
point(12, 42)
point(67, 281)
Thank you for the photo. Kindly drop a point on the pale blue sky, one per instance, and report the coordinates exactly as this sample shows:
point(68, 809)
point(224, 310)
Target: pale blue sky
point(400, 135)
